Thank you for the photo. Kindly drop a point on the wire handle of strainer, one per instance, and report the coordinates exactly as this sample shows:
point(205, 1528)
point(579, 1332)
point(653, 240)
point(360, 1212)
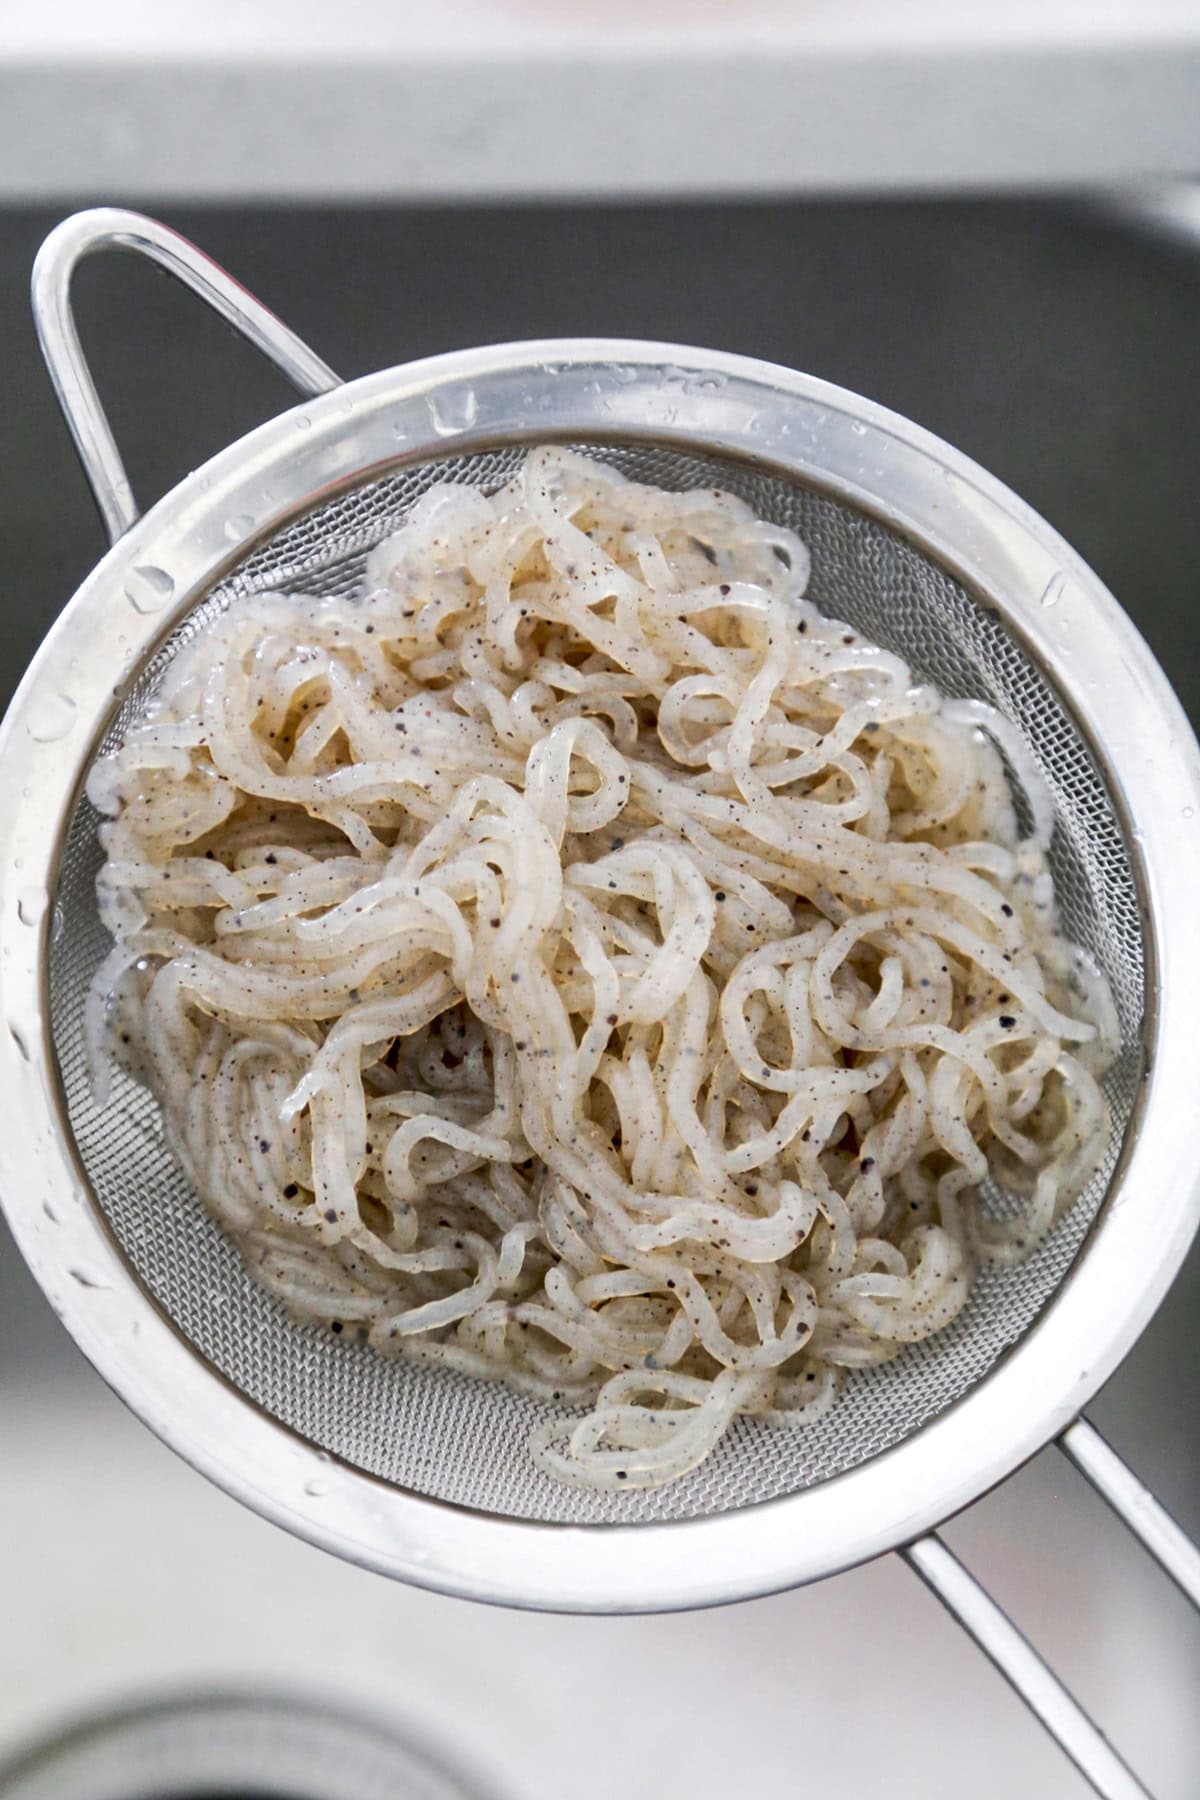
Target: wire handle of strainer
point(110, 228)
point(927, 1555)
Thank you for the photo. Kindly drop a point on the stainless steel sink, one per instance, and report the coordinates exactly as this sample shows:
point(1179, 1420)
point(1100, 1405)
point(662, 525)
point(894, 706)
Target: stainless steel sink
point(1059, 346)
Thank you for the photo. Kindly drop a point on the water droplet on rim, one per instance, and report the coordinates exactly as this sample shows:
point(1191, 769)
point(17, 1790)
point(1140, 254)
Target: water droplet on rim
point(18, 1038)
point(148, 588)
point(51, 716)
point(453, 411)
point(31, 905)
point(239, 527)
point(89, 1278)
point(858, 428)
point(316, 1489)
point(1053, 591)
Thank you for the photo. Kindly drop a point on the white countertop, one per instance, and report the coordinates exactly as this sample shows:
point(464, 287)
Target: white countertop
point(432, 99)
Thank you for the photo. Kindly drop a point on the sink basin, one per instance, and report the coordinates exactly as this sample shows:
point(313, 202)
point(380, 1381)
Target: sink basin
point(1056, 344)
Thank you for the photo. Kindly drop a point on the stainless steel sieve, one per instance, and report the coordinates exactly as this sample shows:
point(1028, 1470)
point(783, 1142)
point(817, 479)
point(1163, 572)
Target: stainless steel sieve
point(425, 1475)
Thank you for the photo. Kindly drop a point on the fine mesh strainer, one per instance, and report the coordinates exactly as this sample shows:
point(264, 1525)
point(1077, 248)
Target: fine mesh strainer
point(426, 1475)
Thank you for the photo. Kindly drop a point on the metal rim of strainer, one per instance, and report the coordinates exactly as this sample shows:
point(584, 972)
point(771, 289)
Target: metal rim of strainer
point(803, 429)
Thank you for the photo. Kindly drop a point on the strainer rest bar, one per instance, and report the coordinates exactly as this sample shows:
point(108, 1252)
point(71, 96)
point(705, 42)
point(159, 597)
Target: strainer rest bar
point(1135, 1505)
point(928, 522)
point(1023, 1668)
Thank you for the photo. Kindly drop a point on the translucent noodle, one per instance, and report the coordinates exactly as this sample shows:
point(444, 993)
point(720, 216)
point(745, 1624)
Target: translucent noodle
point(583, 963)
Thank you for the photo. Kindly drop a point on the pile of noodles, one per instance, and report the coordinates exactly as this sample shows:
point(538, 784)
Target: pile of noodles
point(581, 963)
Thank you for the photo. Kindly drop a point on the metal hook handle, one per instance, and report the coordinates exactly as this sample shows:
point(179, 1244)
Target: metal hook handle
point(106, 228)
point(1011, 1651)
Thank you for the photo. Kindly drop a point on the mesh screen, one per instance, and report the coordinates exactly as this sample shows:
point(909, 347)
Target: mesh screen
point(463, 1440)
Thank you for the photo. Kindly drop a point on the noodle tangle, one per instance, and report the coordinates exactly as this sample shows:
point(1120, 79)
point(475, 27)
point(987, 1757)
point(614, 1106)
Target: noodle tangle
point(582, 962)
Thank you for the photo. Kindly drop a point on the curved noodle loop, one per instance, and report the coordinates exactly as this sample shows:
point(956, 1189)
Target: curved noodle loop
point(582, 963)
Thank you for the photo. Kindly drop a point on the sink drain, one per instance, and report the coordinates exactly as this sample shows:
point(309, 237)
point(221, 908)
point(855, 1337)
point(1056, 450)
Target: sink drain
point(226, 1747)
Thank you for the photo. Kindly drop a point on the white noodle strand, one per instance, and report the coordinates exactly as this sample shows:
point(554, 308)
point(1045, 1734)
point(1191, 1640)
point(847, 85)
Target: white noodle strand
point(579, 962)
